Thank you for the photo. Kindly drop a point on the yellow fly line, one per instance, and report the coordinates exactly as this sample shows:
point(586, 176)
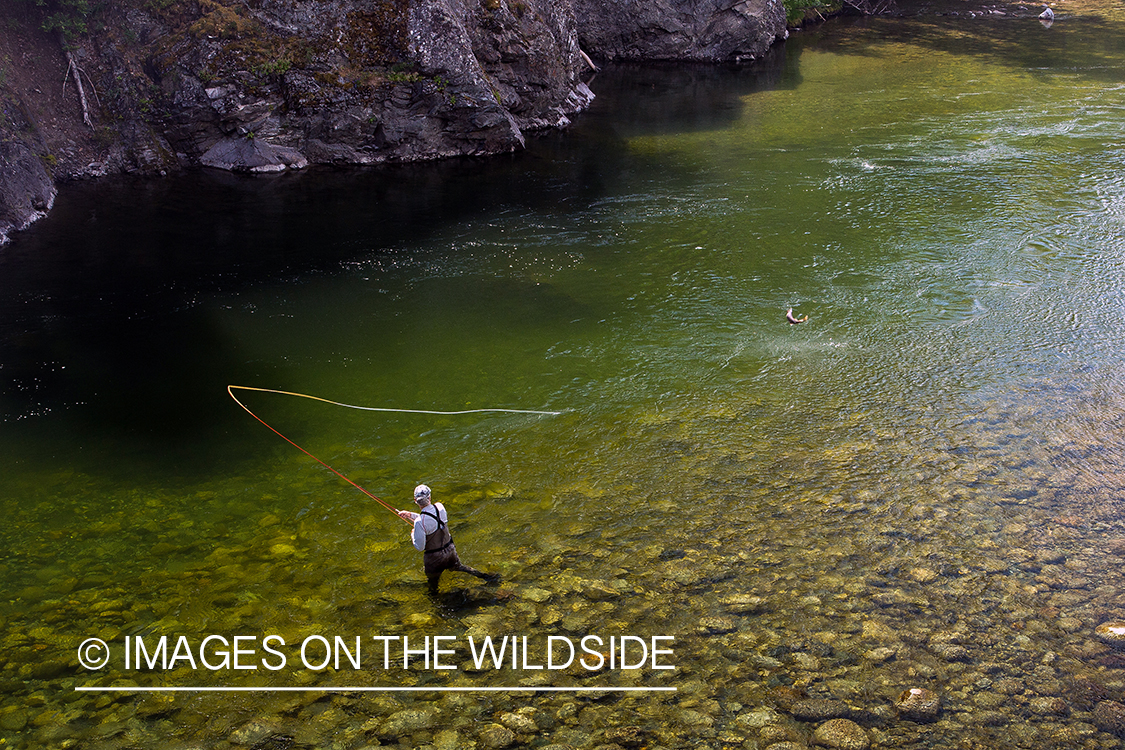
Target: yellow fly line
point(232, 388)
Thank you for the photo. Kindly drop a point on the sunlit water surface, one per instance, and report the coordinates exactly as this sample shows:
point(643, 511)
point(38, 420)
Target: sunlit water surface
point(919, 487)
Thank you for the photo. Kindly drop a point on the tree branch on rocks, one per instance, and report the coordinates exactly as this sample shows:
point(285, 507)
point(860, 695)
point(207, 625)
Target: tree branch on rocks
point(73, 67)
point(871, 7)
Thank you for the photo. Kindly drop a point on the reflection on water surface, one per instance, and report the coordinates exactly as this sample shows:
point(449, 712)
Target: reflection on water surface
point(917, 489)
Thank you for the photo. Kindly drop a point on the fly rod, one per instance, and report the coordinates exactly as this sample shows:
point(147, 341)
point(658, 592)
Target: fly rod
point(232, 388)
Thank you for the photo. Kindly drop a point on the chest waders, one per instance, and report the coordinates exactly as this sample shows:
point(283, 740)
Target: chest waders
point(440, 540)
point(440, 554)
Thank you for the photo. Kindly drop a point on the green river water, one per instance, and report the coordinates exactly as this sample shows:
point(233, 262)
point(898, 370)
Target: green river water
point(920, 487)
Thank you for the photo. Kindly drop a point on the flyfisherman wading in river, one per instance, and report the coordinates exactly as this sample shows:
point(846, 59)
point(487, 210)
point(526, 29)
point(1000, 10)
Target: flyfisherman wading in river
point(431, 535)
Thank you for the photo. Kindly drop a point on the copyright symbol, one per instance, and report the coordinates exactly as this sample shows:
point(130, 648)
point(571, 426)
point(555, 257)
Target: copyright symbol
point(93, 653)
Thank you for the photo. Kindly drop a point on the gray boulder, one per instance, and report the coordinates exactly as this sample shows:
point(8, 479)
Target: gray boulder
point(27, 191)
point(252, 155)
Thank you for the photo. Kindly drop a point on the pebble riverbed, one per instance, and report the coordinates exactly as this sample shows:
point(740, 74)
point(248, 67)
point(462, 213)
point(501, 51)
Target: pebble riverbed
point(799, 617)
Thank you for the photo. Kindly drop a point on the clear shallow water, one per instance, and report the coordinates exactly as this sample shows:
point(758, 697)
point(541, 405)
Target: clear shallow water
point(918, 488)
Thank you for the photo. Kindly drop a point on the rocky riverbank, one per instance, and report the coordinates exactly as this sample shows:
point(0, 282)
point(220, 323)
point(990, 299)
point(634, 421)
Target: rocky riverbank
point(159, 85)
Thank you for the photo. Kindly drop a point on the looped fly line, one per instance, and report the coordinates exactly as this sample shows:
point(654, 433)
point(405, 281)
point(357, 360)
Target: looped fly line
point(232, 388)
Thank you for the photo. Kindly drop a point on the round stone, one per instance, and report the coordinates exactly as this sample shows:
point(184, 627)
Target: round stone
point(519, 723)
point(407, 721)
point(757, 718)
point(1049, 706)
point(1109, 716)
point(773, 735)
point(923, 575)
point(918, 704)
point(716, 625)
point(952, 652)
point(841, 734)
point(819, 709)
point(14, 720)
point(495, 736)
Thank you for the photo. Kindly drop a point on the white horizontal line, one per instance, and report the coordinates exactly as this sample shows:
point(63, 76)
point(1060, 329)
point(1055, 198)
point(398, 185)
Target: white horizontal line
point(345, 689)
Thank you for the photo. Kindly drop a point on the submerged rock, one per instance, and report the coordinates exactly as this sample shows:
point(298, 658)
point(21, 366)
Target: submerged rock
point(1112, 632)
point(628, 736)
point(1049, 706)
point(773, 735)
point(805, 662)
point(951, 652)
point(881, 654)
point(819, 709)
point(918, 704)
point(841, 734)
point(496, 736)
point(519, 722)
point(1109, 716)
point(759, 718)
point(601, 591)
point(406, 722)
point(785, 696)
point(14, 720)
point(990, 718)
point(716, 625)
point(742, 604)
point(923, 575)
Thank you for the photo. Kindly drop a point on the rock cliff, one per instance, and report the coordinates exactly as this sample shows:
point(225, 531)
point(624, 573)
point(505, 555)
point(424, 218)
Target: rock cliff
point(269, 85)
point(696, 30)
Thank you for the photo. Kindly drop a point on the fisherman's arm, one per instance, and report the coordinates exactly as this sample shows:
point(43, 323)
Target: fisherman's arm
point(418, 536)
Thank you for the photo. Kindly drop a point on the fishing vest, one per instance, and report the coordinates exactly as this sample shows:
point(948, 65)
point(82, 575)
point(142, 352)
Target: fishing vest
point(441, 539)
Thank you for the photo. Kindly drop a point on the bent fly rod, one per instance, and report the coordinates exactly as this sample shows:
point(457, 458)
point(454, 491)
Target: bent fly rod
point(232, 388)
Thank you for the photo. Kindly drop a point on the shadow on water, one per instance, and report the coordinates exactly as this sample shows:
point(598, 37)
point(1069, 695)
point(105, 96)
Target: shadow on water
point(679, 98)
point(101, 301)
point(102, 293)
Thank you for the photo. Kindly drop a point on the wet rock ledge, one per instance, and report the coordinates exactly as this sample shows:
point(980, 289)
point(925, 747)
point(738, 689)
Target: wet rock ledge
point(270, 85)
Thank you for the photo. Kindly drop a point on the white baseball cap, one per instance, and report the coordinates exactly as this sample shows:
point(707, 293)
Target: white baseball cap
point(421, 491)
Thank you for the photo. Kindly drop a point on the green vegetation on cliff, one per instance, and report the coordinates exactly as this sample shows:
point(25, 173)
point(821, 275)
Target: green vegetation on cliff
point(68, 17)
point(799, 11)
